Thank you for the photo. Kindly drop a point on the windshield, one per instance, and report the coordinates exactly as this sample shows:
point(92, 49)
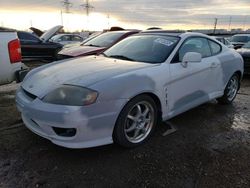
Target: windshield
point(143, 48)
point(105, 39)
point(243, 39)
point(247, 45)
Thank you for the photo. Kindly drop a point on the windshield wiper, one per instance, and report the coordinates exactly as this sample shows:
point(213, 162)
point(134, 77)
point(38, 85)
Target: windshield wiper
point(121, 57)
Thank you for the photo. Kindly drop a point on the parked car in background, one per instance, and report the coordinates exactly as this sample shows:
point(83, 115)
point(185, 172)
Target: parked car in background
point(36, 31)
point(239, 40)
point(67, 39)
point(86, 40)
point(39, 48)
point(120, 95)
point(12, 68)
point(245, 53)
point(224, 41)
point(95, 45)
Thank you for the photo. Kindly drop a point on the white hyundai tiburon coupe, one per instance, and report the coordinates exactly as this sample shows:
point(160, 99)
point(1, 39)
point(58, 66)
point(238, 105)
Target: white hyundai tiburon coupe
point(120, 95)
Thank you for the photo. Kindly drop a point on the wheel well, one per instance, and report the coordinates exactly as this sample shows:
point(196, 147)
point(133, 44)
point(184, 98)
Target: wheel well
point(156, 100)
point(239, 74)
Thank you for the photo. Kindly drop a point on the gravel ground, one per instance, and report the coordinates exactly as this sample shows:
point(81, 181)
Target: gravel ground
point(211, 148)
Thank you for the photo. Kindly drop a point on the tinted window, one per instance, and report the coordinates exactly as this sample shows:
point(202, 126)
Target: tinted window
point(104, 40)
point(144, 48)
point(76, 38)
point(27, 36)
point(215, 48)
point(240, 39)
point(199, 45)
point(65, 38)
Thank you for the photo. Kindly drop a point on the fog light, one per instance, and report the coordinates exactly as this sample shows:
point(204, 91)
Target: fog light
point(65, 132)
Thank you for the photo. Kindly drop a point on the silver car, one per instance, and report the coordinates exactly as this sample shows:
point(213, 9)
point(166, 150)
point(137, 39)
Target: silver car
point(120, 96)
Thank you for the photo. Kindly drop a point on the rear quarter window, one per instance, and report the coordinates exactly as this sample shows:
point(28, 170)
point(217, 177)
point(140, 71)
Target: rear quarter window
point(215, 47)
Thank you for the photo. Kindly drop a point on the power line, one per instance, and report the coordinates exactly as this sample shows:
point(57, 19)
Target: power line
point(67, 5)
point(87, 6)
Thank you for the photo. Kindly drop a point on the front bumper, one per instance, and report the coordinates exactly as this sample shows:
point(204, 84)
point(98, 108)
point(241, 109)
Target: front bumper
point(93, 124)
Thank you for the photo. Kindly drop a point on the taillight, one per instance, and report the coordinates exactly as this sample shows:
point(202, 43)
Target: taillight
point(15, 51)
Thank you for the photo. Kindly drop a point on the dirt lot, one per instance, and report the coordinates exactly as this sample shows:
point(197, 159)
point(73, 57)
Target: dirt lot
point(210, 149)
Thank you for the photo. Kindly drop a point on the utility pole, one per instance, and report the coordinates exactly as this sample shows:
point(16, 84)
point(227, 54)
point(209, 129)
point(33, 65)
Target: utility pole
point(61, 17)
point(67, 5)
point(215, 24)
point(244, 23)
point(87, 6)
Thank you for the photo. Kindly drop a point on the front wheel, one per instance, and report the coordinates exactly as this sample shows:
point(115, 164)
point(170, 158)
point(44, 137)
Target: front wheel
point(136, 122)
point(231, 90)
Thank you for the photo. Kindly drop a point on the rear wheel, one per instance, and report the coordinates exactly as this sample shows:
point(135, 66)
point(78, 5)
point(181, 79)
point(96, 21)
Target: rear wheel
point(231, 90)
point(136, 122)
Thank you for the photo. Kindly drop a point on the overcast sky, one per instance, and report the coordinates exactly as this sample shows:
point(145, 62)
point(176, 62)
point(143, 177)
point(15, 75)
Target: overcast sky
point(169, 14)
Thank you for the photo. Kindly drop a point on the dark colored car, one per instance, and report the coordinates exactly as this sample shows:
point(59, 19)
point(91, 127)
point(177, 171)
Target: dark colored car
point(239, 40)
point(39, 48)
point(245, 53)
point(96, 45)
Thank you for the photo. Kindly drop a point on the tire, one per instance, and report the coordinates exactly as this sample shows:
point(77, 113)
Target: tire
point(231, 90)
point(136, 122)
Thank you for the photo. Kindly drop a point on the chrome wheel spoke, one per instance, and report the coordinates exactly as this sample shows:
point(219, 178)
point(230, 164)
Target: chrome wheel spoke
point(131, 128)
point(136, 133)
point(146, 111)
point(133, 118)
point(139, 112)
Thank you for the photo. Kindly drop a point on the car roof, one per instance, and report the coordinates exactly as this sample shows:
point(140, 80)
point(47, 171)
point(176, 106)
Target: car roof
point(124, 31)
point(181, 34)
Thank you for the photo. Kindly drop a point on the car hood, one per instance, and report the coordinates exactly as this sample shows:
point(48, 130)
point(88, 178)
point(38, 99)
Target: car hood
point(50, 33)
point(84, 71)
point(80, 50)
point(38, 32)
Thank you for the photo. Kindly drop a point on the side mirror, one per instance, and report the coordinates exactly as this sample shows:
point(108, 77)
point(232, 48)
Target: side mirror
point(191, 57)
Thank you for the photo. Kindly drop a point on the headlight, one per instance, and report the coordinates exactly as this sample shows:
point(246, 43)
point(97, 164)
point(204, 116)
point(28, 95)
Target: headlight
point(72, 96)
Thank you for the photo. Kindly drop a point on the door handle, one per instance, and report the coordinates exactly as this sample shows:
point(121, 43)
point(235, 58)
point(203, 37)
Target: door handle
point(214, 65)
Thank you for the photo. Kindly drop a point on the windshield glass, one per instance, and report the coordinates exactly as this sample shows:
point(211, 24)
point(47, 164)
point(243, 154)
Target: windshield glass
point(143, 48)
point(247, 45)
point(240, 39)
point(105, 39)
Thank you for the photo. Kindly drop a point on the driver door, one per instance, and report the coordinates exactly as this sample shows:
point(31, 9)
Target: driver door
point(190, 85)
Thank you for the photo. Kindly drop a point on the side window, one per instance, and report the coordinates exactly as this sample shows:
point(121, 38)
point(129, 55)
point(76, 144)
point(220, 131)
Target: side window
point(76, 38)
point(215, 47)
point(65, 38)
point(199, 45)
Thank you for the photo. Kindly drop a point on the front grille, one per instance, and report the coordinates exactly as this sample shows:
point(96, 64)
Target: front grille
point(29, 94)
